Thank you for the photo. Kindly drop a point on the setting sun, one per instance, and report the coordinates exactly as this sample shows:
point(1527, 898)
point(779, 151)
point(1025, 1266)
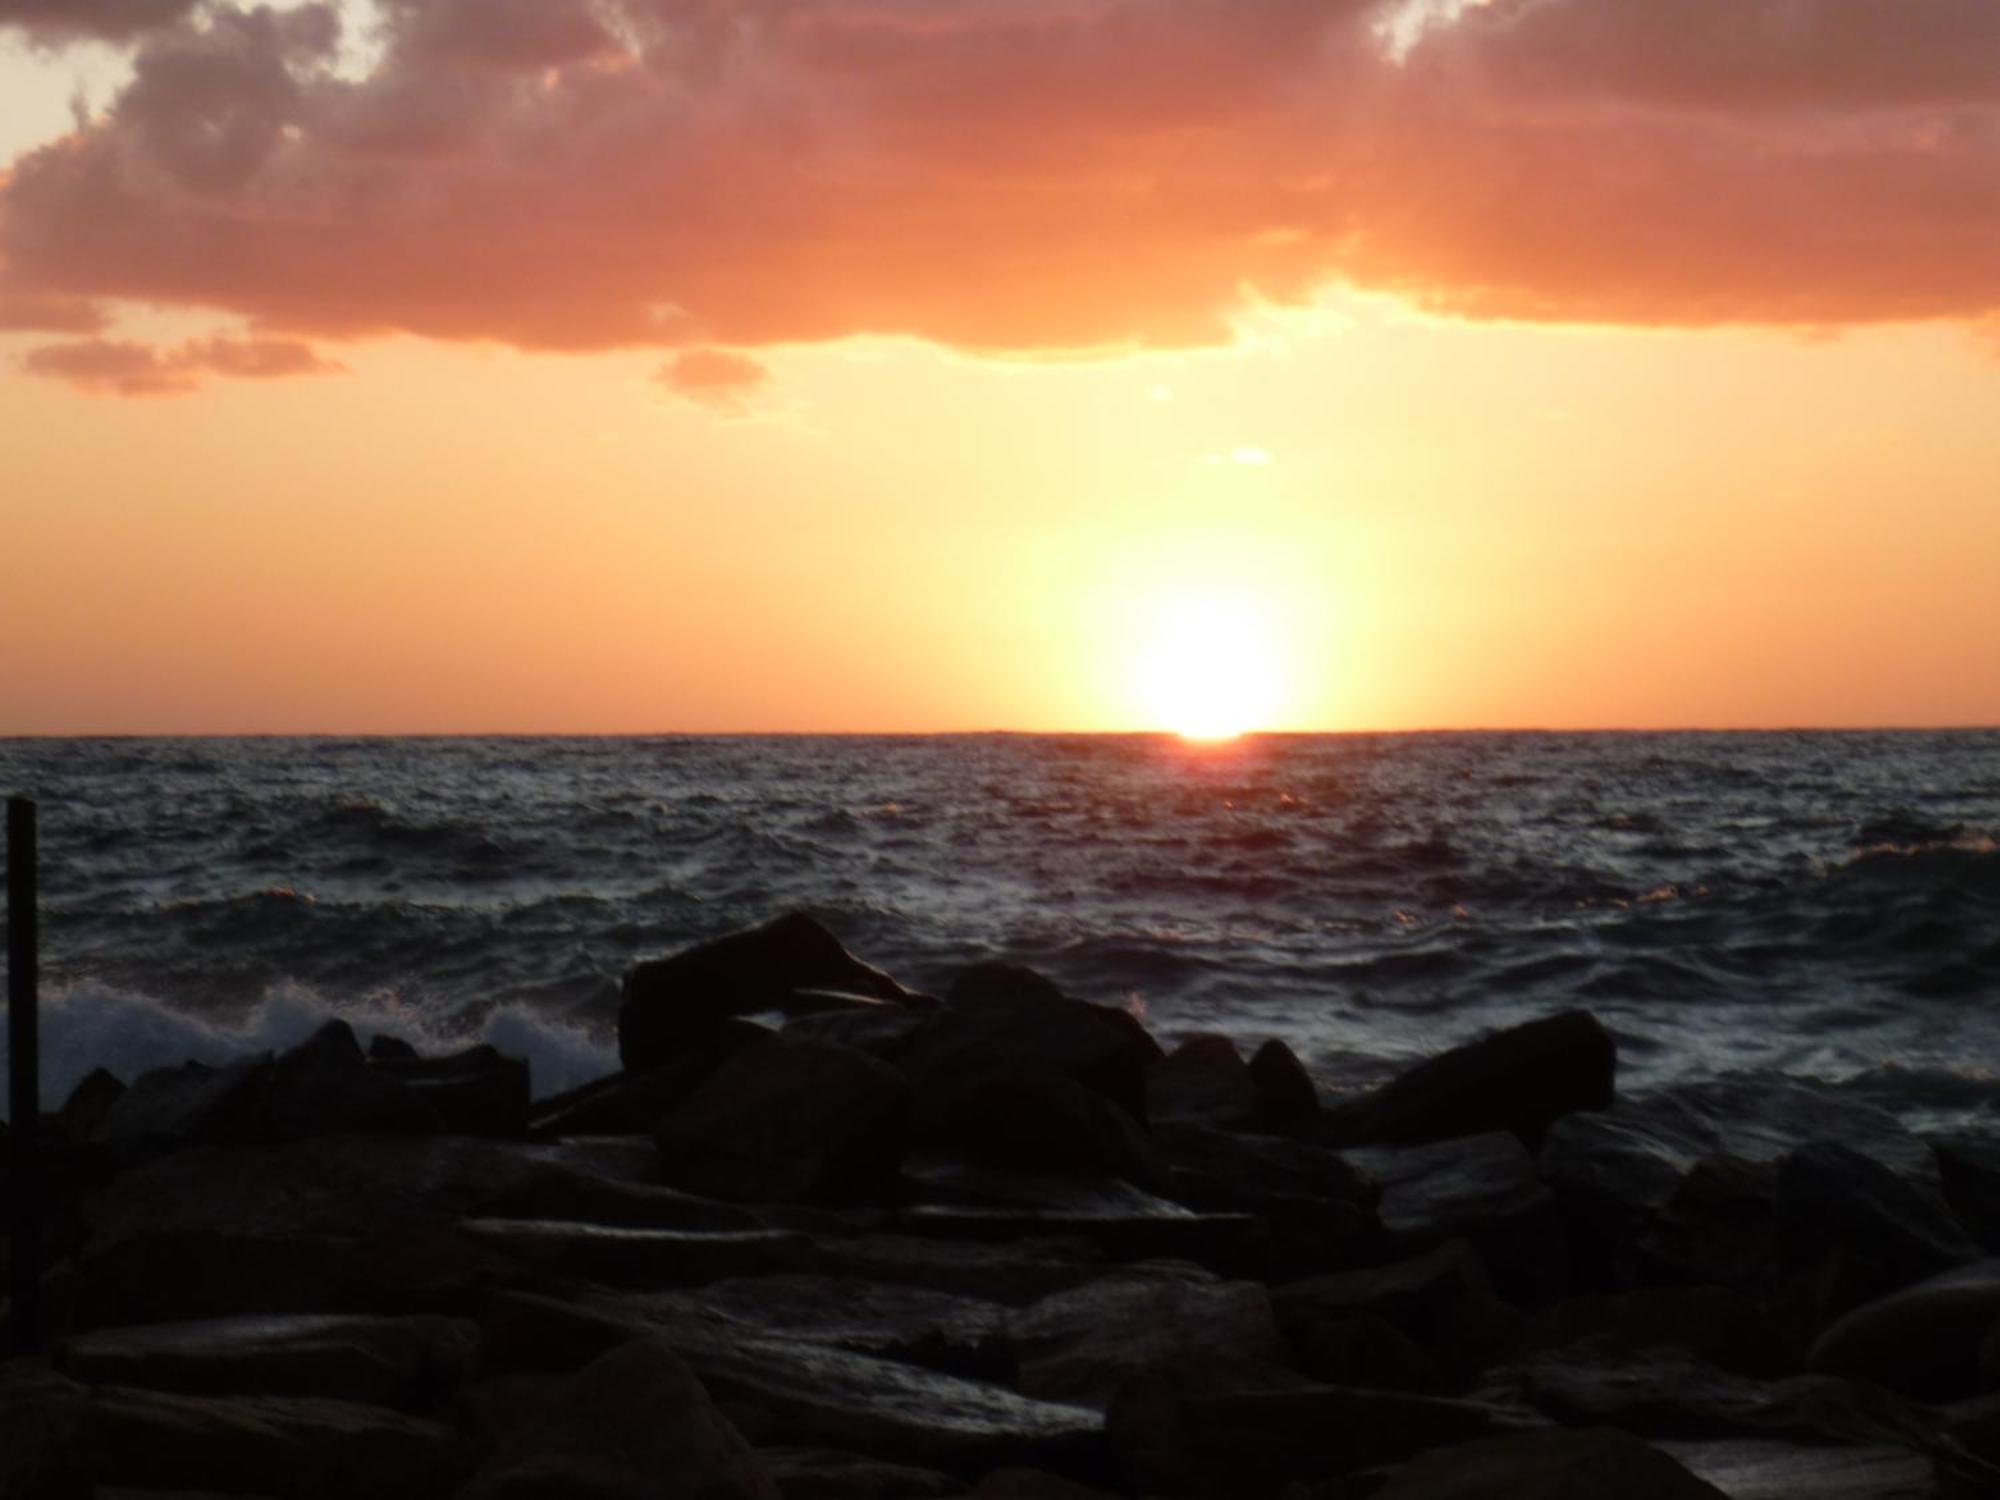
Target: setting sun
point(1211, 668)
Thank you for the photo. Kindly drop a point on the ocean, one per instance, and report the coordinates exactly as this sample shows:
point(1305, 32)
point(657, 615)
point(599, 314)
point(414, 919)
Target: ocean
point(1817, 904)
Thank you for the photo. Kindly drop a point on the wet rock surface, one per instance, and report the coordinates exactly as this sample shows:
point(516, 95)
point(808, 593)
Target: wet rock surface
point(1002, 1245)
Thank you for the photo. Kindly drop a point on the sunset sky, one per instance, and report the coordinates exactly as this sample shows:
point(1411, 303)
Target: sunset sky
point(646, 365)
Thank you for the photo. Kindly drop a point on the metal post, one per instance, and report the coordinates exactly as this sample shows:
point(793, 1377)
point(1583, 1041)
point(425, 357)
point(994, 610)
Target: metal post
point(24, 1067)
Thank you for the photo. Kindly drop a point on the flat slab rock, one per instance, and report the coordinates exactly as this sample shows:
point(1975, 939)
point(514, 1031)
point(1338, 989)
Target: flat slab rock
point(348, 1185)
point(939, 1330)
point(1435, 1191)
point(621, 1256)
point(1125, 1222)
point(1079, 1345)
point(1015, 1272)
point(1923, 1340)
point(1751, 1469)
point(814, 1394)
point(382, 1360)
point(302, 1447)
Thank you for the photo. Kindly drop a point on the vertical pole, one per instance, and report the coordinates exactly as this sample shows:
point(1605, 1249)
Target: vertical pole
point(24, 1092)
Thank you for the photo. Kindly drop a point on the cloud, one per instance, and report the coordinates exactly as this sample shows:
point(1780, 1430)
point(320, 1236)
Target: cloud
point(714, 377)
point(1031, 175)
point(112, 20)
point(50, 314)
point(122, 367)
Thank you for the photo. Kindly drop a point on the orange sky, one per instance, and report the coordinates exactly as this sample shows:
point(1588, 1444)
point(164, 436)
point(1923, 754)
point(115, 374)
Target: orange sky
point(606, 365)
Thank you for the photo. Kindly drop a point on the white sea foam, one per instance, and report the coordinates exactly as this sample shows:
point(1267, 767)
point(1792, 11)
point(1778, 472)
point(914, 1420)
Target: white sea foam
point(89, 1026)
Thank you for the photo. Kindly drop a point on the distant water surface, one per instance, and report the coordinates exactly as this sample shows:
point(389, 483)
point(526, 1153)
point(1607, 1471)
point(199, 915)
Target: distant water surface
point(1820, 904)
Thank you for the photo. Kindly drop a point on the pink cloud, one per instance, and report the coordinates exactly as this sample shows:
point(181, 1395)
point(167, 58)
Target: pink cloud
point(110, 19)
point(715, 377)
point(1043, 174)
point(124, 368)
point(50, 314)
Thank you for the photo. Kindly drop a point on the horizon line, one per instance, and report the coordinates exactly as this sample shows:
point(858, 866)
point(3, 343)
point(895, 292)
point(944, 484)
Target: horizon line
point(991, 733)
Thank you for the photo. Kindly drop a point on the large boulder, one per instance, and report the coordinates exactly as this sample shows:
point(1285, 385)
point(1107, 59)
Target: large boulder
point(669, 1002)
point(1216, 1427)
point(1079, 1345)
point(1316, 1205)
point(326, 1085)
point(635, 1424)
point(635, 1103)
point(998, 1017)
point(1483, 1189)
point(1714, 1323)
point(788, 1121)
point(1969, 1166)
point(1522, 1079)
point(191, 1105)
point(478, 1091)
point(1442, 1301)
point(1555, 1465)
point(1681, 1182)
point(1831, 1195)
point(1923, 1340)
point(1027, 1117)
point(1287, 1097)
point(1204, 1080)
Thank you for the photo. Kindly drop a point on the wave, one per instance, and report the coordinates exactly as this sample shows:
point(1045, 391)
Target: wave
point(91, 1026)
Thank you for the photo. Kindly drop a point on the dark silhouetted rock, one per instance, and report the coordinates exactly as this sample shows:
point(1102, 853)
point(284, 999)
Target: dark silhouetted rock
point(636, 1103)
point(1832, 1195)
point(972, 1202)
point(325, 1085)
point(1033, 1484)
point(63, 1440)
point(1202, 1430)
point(407, 1362)
point(1657, 1392)
point(1204, 1080)
point(382, 1047)
point(810, 1393)
point(1313, 1201)
point(640, 1257)
point(1288, 1100)
point(828, 1474)
point(478, 1091)
point(1923, 1340)
point(1365, 1350)
point(1033, 1119)
point(1767, 1469)
point(1080, 1344)
point(88, 1103)
point(946, 1331)
point(1442, 1300)
point(788, 1121)
point(1711, 1322)
point(1595, 1464)
point(1014, 1272)
point(1969, 1169)
point(635, 1423)
point(1521, 1080)
point(1636, 1153)
point(194, 1104)
point(669, 1001)
point(1000, 1017)
point(1483, 1189)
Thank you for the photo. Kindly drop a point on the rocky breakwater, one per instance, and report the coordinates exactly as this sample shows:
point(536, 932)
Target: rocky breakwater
point(825, 1238)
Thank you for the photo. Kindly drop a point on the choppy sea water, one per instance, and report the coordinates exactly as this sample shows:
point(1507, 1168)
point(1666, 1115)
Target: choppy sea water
point(1824, 905)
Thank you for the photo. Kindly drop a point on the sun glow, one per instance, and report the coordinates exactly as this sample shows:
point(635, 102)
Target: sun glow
point(1211, 667)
